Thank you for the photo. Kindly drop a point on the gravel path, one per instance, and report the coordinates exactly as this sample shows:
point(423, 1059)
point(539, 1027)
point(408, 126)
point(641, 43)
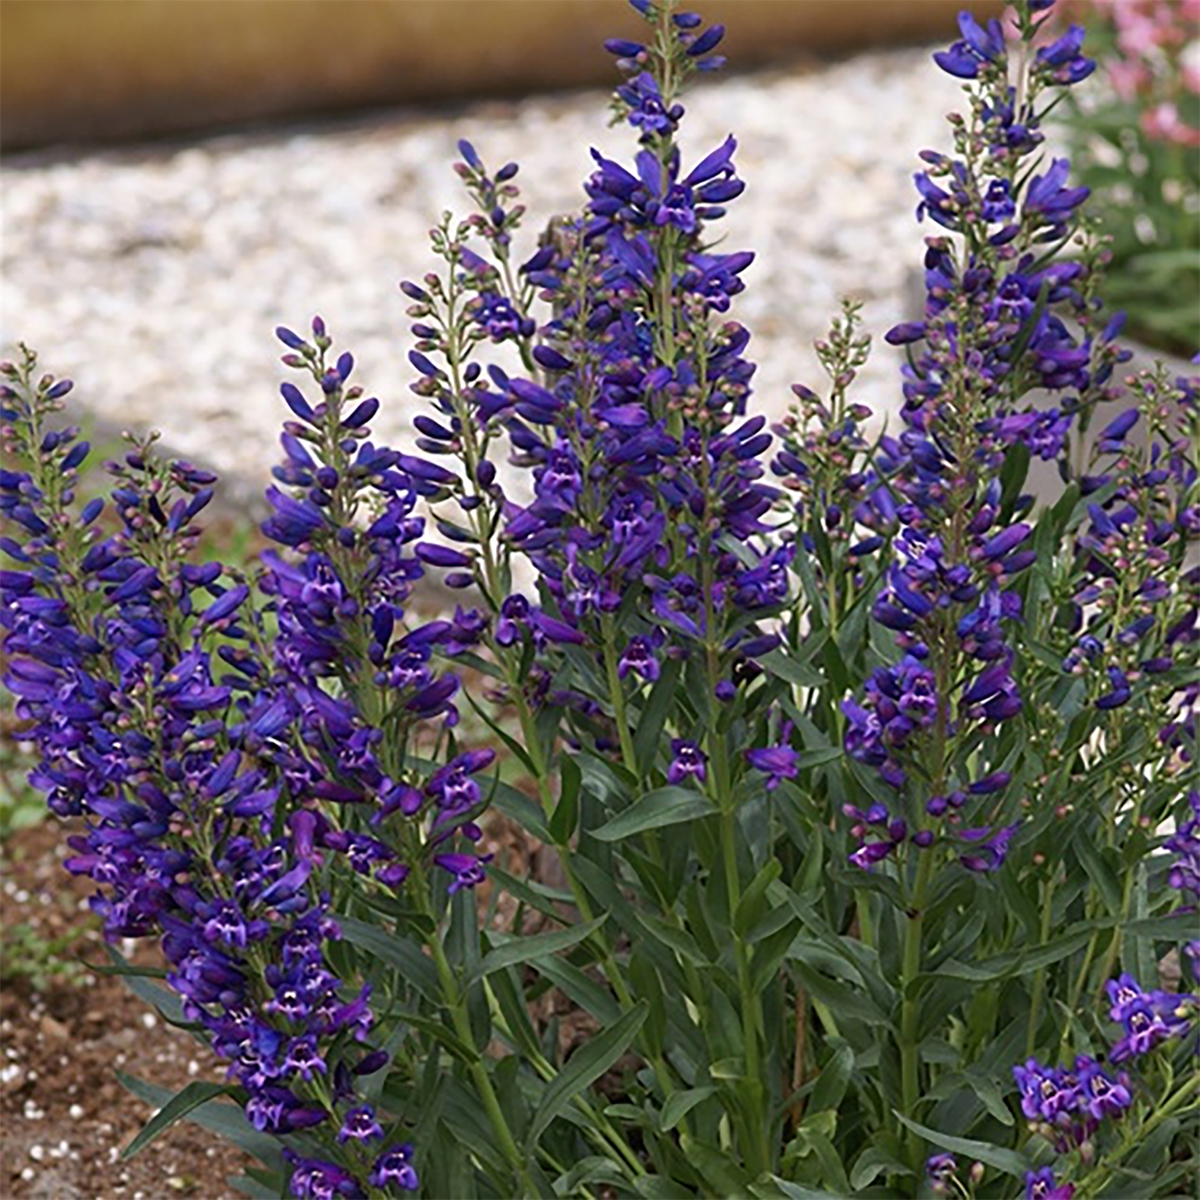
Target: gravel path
point(154, 276)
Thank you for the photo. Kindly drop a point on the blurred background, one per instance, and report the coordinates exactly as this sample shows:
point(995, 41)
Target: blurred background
point(106, 70)
point(181, 176)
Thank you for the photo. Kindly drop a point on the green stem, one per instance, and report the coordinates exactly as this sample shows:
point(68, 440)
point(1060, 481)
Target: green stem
point(609, 966)
point(757, 1148)
point(1114, 947)
point(1039, 983)
point(1077, 988)
point(616, 692)
point(910, 1049)
point(602, 1127)
point(456, 1003)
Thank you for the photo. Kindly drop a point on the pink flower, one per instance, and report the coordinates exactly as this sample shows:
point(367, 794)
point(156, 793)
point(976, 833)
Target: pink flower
point(1163, 123)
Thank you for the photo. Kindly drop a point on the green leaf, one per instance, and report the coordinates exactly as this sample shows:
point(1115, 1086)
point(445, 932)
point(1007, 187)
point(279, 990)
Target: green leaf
point(584, 1067)
point(782, 666)
point(842, 1000)
point(125, 970)
point(1173, 927)
point(655, 1187)
point(226, 1120)
point(653, 716)
point(676, 938)
point(520, 808)
point(566, 812)
point(526, 949)
point(169, 1006)
point(254, 1188)
point(753, 904)
point(447, 1038)
point(1008, 1161)
point(873, 1162)
point(196, 1093)
point(665, 806)
point(833, 1080)
point(1099, 871)
point(679, 1104)
point(396, 951)
point(588, 1170)
point(776, 1188)
point(989, 1095)
point(1016, 962)
point(727, 1176)
point(536, 895)
point(820, 756)
point(518, 751)
point(580, 988)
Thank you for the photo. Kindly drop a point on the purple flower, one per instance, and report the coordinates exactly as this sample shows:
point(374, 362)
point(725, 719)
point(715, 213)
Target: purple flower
point(778, 762)
point(313, 1179)
point(989, 848)
point(1040, 1185)
point(1185, 844)
point(467, 870)
point(939, 1169)
point(393, 1168)
point(1046, 1092)
point(1102, 1095)
point(639, 658)
point(1147, 1018)
point(647, 112)
point(978, 47)
point(687, 760)
point(1063, 60)
point(452, 787)
point(360, 1125)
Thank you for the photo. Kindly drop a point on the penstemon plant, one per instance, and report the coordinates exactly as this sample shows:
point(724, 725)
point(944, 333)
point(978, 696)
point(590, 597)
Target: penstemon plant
point(868, 780)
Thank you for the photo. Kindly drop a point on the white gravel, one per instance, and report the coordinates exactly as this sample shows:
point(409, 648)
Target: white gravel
point(155, 276)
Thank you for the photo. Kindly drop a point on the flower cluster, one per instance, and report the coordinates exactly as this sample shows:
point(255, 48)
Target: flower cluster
point(844, 510)
point(628, 422)
point(115, 647)
point(995, 329)
point(1147, 1019)
point(1135, 610)
point(1068, 1106)
point(1071, 1103)
point(208, 759)
point(697, 623)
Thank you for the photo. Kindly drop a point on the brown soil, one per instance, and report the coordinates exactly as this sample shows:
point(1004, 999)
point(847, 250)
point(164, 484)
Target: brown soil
point(63, 1115)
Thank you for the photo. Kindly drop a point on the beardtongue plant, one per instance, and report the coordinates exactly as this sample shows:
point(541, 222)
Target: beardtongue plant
point(871, 781)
